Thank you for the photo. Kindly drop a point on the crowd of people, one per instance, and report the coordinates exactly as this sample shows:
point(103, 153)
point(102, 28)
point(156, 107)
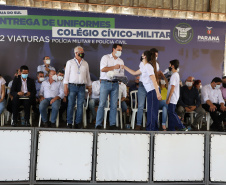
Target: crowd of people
point(66, 88)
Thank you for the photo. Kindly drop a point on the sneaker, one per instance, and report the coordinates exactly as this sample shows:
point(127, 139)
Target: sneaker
point(69, 125)
point(53, 125)
point(128, 126)
point(184, 129)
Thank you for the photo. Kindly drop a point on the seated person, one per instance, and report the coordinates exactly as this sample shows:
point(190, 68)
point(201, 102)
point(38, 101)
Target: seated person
point(213, 102)
point(190, 101)
point(51, 93)
point(198, 85)
point(163, 83)
point(23, 92)
point(94, 100)
point(2, 94)
point(63, 107)
point(45, 68)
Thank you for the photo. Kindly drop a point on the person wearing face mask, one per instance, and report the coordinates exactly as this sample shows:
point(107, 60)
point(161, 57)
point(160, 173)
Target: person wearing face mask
point(148, 77)
point(50, 94)
point(173, 94)
point(198, 85)
point(163, 83)
point(110, 62)
point(76, 78)
point(154, 50)
point(190, 101)
point(46, 67)
point(38, 83)
point(213, 102)
point(23, 91)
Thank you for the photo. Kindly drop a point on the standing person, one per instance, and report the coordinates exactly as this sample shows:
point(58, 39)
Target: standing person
point(2, 94)
point(213, 102)
point(110, 62)
point(23, 91)
point(46, 67)
point(76, 77)
point(149, 76)
point(172, 98)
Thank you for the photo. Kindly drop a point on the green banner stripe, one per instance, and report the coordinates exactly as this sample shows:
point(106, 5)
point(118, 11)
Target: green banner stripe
point(38, 22)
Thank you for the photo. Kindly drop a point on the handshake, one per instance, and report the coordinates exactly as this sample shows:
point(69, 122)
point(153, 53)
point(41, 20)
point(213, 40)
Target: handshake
point(117, 66)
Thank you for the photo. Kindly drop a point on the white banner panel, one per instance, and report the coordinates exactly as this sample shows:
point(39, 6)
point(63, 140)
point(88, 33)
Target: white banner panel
point(15, 149)
point(178, 157)
point(218, 158)
point(64, 156)
point(122, 157)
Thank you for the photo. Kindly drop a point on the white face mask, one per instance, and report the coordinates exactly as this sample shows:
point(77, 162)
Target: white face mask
point(200, 87)
point(118, 54)
point(156, 58)
point(47, 61)
point(60, 78)
point(217, 87)
point(189, 84)
point(41, 79)
point(54, 77)
point(163, 82)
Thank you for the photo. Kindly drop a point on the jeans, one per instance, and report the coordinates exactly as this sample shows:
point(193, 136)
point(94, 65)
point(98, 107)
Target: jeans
point(79, 92)
point(105, 89)
point(43, 108)
point(164, 107)
point(142, 93)
point(123, 106)
point(92, 104)
point(16, 106)
point(173, 119)
point(152, 111)
point(2, 106)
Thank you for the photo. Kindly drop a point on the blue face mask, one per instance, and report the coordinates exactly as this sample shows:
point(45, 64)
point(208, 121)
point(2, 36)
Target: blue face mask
point(24, 76)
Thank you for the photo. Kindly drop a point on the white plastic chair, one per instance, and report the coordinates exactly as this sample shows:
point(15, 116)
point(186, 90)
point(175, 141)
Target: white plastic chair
point(84, 110)
point(133, 107)
point(57, 120)
point(119, 109)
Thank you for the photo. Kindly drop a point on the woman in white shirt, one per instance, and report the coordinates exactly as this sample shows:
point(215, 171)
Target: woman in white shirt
point(148, 78)
point(2, 94)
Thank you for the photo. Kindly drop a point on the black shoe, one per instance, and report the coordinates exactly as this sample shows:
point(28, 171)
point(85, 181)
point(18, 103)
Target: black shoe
point(53, 125)
point(46, 124)
point(78, 126)
point(27, 123)
point(14, 124)
point(69, 126)
point(113, 127)
point(98, 127)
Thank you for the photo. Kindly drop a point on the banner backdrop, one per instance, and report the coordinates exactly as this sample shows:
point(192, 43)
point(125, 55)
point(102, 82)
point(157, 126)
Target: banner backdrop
point(29, 34)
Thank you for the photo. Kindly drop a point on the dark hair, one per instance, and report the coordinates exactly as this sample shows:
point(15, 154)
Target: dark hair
point(223, 77)
point(152, 60)
point(60, 71)
point(217, 79)
point(40, 72)
point(175, 63)
point(196, 82)
point(45, 57)
point(154, 50)
point(115, 46)
point(23, 68)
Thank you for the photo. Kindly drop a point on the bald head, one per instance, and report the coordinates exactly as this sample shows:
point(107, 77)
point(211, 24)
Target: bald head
point(190, 79)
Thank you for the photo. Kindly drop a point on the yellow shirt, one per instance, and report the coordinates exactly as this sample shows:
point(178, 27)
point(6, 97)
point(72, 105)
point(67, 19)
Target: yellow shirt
point(164, 93)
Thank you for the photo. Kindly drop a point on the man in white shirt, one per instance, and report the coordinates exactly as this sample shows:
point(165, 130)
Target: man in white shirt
point(173, 94)
point(45, 68)
point(110, 62)
point(213, 102)
point(76, 77)
point(94, 100)
point(51, 93)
